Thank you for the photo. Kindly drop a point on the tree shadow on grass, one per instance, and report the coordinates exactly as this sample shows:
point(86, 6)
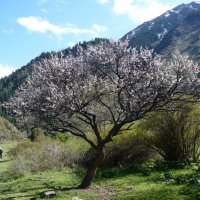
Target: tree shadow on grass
point(4, 161)
point(114, 172)
point(193, 191)
point(29, 188)
point(40, 194)
point(8, 176)
point(107, 172)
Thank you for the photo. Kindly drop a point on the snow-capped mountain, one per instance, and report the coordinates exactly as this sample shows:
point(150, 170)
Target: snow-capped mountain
point(151, 33)
point(185, 37)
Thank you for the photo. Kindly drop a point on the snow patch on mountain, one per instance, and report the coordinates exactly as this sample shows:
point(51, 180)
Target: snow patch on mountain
point(167, 15)
point(162, 34)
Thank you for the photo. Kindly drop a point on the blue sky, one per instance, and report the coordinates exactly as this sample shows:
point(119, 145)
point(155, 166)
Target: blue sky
point(29, 27)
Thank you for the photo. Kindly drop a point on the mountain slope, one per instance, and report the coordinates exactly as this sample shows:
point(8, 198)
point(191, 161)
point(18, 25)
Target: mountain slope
point(151, 33)
point(9, 132)
point(185, 37)
point(9, 84)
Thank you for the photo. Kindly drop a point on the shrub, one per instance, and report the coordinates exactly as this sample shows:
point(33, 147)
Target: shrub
point(174, 135)
point(48, 154)
point(37, 135)
point(128, 149)
point(193, 179)
point(147, 167)
point(62, 137)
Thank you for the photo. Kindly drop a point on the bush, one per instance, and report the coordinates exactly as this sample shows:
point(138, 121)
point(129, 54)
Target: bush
point(193, 179)
point(64, 150)
point(37, 135)
point(128, 149)
point(148, 167)
point(174, 135)
point(45, 155)
point(63, 137)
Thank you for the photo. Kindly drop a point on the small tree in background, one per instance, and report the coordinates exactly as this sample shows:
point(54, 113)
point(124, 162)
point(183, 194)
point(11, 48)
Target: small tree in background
point(104, 84)
point(174, 135)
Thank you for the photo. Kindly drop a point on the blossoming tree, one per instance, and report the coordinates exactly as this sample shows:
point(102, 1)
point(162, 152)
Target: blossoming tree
point(108, 84)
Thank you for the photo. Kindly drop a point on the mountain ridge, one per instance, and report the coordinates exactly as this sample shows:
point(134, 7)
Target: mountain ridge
point(150, 33)
point(185, 37)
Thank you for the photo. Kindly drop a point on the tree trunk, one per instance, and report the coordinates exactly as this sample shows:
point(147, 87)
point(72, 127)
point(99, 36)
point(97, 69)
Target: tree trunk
point(92, 168)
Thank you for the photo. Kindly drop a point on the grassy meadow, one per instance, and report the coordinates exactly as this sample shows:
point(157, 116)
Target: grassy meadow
point(116, 183)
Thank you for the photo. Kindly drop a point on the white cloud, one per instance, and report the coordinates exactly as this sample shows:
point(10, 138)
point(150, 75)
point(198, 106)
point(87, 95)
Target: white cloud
point(140, 10)
point(5, 70)
point(103, 1)
point(36, 24)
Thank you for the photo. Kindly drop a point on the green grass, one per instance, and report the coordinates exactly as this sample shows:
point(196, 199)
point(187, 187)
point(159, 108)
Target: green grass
point(5, 162)
point(110, 184)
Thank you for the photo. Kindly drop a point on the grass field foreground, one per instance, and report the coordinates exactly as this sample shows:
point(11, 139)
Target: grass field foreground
point(110, 184)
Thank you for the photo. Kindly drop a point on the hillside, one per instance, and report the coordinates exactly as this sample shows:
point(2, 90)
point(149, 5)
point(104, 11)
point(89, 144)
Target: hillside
point(9, 132)
point(185, 37)
point(9, 84)
point(177, 23)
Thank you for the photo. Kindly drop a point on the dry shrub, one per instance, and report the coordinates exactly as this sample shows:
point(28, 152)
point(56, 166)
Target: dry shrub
point(45, 155)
